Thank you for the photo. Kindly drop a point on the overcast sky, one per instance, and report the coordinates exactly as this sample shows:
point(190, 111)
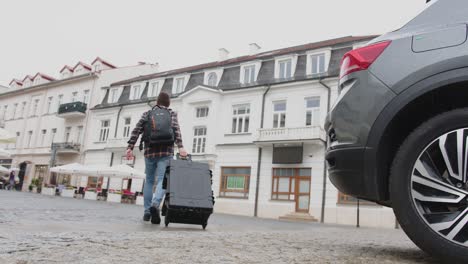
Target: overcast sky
point(47, 34)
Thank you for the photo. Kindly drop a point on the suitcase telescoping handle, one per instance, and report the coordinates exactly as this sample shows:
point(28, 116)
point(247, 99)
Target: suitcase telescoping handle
point(188, 157)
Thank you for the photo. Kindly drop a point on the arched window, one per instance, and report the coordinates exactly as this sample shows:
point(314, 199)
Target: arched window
point(212, 79)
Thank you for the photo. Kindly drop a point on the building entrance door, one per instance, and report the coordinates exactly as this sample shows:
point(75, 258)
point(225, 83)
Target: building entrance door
point(292, 184)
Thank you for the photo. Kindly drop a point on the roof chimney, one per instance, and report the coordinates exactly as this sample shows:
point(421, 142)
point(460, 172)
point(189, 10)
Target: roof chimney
point(254, 48)
point(223, 54)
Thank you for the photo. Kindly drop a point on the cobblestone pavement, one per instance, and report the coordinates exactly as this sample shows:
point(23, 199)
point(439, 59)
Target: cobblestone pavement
point(40, 229)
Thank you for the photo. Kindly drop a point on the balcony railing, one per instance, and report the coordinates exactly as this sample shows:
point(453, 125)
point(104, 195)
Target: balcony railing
point(66, 147)
point(75, 109)
point(116, 143)
point(291, 134)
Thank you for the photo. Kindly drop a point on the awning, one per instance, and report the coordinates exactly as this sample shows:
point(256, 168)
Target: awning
point(122, 171)
point(4, 153)
point(6, 136)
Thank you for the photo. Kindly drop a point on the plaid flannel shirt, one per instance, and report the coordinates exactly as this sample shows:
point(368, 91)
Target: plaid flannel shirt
point(161, 150)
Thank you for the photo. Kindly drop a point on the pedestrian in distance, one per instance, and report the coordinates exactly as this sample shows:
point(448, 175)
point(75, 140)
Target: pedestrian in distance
point(11, 185)
point(161, 131)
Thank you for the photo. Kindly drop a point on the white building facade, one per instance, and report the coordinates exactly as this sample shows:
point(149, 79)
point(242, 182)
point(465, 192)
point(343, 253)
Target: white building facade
point(49, 116)
point(257, 120)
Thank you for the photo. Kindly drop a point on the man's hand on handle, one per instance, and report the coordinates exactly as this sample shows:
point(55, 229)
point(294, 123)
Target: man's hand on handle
point(129, 154)
point(182, 152)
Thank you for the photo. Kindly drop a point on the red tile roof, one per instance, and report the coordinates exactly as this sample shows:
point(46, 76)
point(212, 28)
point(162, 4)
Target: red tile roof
point(45, 76)
point(66, 67)
point(16, 81)
point(86, 66)
point(104, 62)
point(28, 77)
point(273, 53)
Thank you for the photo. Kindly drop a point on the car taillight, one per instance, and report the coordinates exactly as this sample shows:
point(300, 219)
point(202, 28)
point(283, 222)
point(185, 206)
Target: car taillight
point(362, 58)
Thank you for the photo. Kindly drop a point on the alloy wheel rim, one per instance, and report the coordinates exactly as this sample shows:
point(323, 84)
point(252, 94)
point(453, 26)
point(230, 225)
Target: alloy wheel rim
point(439, 186)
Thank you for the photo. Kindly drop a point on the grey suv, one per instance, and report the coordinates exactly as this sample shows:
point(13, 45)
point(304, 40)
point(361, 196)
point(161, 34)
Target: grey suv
point(398, 133)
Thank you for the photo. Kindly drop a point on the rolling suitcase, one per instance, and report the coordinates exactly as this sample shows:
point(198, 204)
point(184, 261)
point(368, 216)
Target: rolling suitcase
point(189, 197)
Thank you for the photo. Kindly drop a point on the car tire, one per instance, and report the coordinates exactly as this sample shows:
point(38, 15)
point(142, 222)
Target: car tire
point(402, 186)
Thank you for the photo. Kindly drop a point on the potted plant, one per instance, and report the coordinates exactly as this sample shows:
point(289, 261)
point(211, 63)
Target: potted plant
point(114, 196)
point(69, 192)
point(33, 186)
point(90, 194)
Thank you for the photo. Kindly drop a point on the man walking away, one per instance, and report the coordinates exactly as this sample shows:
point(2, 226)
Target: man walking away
point(160, 128)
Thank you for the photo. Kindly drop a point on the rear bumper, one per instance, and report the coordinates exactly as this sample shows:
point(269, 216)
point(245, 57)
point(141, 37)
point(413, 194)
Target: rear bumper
point(346, 170)
point(348, 126)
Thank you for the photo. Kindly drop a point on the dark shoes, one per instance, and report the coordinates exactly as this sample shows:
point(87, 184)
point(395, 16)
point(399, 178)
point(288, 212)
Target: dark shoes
point(155, 218)
point(146, 217)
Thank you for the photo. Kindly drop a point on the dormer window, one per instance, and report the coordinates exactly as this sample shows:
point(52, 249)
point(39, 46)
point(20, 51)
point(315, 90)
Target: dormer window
point(285, 68)
point(135, 92)
point(317, 61)
point(249, 74)
point(65, 74)
point(249, 71)
point(212, 79)
point(113, 95)
point(154, 88)
point(37, 81)
point(179, 85)
point(97, 67)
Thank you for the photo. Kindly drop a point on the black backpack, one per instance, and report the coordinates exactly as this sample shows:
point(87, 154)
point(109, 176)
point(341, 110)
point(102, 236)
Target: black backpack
point(158, 128)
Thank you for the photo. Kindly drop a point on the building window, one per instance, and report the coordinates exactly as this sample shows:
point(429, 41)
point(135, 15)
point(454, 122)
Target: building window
point(29, 141)
point(74, 97)
point(49, 104)
point(104, 133)
point(285, 68)
point(240, 119)
point(35, 106)
point(23, 110)
point(136, 92)
point(313, 111)
point(279, 114)
point(235, 182)
point(202, 111)
point(179, 85)
point(290, 184)
point(52, 135)
point(79, 134)
point(97, 67)
point(153, 89)
point(212, 79)
point(318, 63)
point(18, 134)
point(59, 100)
point(86, 96)
point(15, 107)
point(113, 95)
point(67, 134)
point(43, 135)
point(199, 140)
point(5, 111)
point(126, 130)
point(249, 74)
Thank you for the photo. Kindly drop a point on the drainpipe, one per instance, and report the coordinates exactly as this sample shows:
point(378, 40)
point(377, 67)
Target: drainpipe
point(324, 187)
point(259, 163)
point(115, 136)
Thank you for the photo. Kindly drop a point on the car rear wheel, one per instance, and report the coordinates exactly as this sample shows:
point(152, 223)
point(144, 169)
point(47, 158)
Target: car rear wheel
point(429, 188)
